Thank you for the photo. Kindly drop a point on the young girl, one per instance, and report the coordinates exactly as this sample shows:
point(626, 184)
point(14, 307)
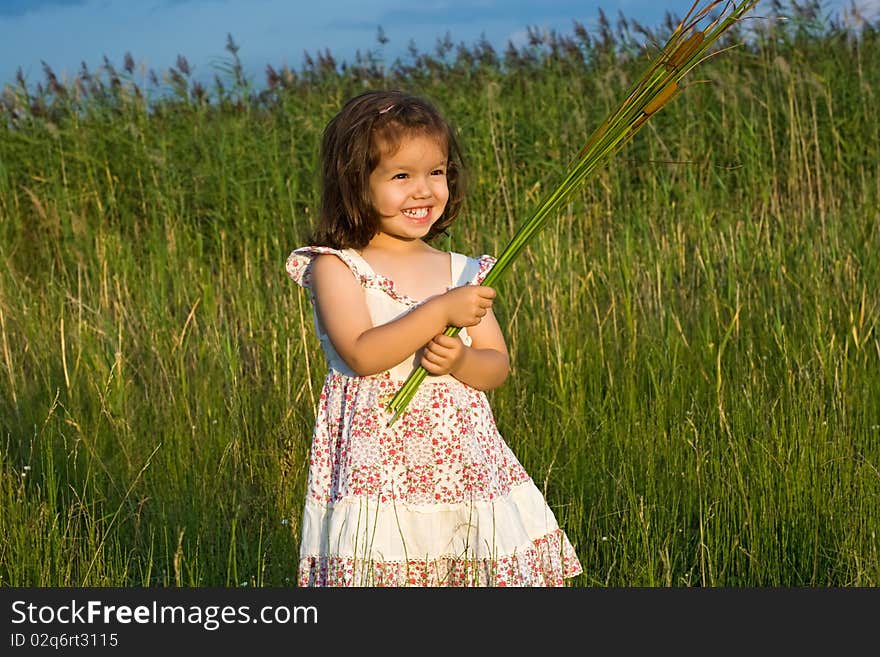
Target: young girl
point(437, 498)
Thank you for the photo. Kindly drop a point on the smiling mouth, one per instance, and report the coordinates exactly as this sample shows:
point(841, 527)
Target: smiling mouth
point(416, 213)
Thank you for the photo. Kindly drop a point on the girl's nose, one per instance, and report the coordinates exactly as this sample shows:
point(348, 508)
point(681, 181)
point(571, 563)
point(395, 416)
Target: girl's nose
point(422, 189)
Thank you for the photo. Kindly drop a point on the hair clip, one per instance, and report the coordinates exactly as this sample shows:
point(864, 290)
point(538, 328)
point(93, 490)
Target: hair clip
point(382, 111)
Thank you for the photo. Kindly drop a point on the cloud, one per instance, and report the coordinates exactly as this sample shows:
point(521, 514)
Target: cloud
point(14, 8)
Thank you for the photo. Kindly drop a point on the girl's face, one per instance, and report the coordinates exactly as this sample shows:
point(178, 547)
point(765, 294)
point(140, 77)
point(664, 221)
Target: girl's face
point(408, 187)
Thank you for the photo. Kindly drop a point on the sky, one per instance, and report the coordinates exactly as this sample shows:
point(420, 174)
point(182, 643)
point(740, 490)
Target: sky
point(66, 33)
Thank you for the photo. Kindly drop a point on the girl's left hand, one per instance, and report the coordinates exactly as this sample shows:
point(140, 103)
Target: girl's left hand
point(443, 354)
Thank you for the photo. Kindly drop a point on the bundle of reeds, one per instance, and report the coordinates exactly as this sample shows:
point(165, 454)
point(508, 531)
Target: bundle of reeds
point(686, 48)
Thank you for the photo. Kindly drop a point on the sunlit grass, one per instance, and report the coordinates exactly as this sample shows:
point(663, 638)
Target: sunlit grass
point(694, 341)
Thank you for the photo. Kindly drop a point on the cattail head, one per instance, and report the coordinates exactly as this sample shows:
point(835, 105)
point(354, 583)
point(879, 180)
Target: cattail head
point(660, 99)
point(684, 50)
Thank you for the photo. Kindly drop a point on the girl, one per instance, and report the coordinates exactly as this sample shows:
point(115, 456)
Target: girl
point(437, 498)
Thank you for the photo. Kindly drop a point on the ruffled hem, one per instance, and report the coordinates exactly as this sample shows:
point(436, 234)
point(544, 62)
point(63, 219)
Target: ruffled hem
point(511, 540)
point(396, 531)
point(546, 562)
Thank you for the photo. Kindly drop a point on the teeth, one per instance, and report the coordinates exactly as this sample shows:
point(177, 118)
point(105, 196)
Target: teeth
point(416, 213)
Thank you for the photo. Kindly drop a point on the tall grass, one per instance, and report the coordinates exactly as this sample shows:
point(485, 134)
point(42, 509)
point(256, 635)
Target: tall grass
point(716, 286)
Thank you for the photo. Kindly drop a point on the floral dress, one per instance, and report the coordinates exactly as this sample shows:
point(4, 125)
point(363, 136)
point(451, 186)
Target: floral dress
point(435, 499)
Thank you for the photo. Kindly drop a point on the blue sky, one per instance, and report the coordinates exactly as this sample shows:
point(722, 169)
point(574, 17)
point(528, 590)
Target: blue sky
point(65, 33)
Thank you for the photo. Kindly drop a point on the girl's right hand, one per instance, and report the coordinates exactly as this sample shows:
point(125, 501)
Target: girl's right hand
point(467, 305)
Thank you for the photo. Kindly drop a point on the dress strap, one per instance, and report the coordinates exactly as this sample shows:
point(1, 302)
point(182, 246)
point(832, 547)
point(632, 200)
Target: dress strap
point(360, 262)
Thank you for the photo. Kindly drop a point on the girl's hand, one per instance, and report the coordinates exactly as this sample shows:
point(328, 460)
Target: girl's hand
point(443, 354)
point(466, 305)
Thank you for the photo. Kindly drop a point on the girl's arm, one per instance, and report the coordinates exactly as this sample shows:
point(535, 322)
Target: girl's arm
point(484, 365)
point(366, 349)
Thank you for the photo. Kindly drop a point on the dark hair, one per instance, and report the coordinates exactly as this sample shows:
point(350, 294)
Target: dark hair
point(350, 151)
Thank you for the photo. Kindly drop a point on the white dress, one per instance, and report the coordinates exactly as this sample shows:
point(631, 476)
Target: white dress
point(436, 499)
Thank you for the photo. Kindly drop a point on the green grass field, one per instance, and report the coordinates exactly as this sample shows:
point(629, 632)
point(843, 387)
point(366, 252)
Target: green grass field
point(695, 347)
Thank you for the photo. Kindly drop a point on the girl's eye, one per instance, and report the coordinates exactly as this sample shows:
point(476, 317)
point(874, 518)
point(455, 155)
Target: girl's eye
point(438, 172)
point(399, 176)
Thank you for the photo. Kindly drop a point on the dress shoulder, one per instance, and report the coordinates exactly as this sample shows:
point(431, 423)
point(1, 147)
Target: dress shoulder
point(484, 266)
point(470, 271)
point(299, 263)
